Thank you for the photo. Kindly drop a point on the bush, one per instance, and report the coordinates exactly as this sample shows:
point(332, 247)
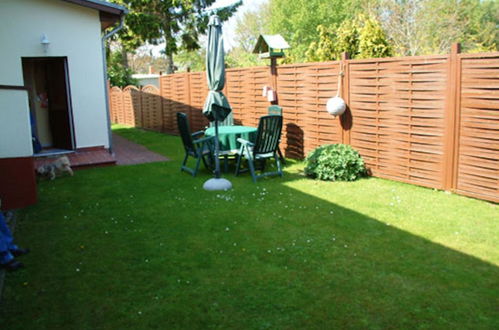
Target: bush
point(334, 162)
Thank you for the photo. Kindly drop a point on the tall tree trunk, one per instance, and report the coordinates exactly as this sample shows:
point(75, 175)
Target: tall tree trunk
point(170, 66)
point(124, 57)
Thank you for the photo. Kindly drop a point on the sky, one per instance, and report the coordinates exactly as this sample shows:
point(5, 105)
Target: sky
point(229, 26)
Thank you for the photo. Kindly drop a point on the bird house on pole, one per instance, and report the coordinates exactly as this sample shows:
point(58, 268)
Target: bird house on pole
point(270, 46)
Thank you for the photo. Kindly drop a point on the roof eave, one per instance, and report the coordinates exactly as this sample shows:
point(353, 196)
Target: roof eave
point(109, 13)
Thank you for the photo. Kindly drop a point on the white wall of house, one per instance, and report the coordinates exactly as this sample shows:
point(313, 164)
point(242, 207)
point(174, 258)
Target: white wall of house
point(15, 130)
point(74, 32)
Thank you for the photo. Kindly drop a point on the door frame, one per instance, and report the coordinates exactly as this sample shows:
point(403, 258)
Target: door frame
point(69, 102)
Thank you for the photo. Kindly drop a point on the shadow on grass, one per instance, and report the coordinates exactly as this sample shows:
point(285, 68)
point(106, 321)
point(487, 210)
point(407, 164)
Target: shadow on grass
point(259, 256)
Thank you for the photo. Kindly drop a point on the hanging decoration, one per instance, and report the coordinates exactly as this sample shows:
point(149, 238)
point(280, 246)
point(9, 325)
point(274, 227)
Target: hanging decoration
point(336, 106)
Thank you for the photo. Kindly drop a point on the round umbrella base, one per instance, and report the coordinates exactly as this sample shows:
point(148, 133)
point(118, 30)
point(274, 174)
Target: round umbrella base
point(217, 184)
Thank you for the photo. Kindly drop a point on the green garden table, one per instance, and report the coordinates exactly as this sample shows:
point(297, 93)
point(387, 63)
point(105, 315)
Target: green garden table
point(227, 136)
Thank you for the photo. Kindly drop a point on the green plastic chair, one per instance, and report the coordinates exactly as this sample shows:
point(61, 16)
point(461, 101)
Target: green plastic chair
point(198, 148)
point(277, 110)
point(265, 147)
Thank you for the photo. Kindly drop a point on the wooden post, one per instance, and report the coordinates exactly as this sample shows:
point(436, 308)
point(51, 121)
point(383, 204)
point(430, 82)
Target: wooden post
point(450, 120)
point(161, 102)
point(273, 78)
point(346, 117)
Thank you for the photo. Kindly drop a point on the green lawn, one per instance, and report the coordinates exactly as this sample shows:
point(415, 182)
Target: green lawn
point(145, 247)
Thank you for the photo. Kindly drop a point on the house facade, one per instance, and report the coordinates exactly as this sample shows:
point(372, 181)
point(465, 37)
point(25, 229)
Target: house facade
point(52, 85)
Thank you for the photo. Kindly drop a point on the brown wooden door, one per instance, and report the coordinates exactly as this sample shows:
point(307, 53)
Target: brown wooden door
point(59, 106)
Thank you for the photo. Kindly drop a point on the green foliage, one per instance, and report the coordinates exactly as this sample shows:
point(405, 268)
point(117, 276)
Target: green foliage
point(297, 21)
point(248, 28)
point(372, 40)
point(177, 23)
point(325, 49)
point(334, 162)
point(239, 58)
point(118, 74)
point(191, 60)
point(347, 37)
point(417, 27)
point(360, 37)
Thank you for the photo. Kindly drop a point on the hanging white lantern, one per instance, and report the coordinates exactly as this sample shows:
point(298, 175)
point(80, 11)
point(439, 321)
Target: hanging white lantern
point(336, 106)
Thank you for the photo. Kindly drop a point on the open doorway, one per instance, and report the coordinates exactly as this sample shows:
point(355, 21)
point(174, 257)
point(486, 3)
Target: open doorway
point(50, 108)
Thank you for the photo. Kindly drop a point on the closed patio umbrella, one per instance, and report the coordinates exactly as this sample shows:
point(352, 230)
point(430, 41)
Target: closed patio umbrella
point(216, 107)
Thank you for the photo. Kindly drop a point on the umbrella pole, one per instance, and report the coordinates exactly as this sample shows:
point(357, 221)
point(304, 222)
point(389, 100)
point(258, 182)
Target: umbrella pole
point(217, 152)
point(217, 183)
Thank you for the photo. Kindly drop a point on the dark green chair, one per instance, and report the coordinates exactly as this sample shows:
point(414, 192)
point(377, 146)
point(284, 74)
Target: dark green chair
point(266, 146)
point(277, 110)
point(198, 148)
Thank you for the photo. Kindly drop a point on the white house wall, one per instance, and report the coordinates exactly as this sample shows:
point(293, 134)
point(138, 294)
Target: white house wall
point(74, 32)
point(15, 131)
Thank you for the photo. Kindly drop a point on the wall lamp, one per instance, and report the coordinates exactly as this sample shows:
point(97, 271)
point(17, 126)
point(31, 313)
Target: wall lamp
point(45, 43)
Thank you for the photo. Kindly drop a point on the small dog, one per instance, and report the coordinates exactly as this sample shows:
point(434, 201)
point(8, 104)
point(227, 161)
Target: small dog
point(59, 166)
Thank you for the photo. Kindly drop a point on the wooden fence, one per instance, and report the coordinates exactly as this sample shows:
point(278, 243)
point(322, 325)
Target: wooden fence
point(429, 120)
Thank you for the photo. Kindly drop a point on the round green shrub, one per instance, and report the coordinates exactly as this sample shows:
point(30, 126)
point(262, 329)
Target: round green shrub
point(334, 162)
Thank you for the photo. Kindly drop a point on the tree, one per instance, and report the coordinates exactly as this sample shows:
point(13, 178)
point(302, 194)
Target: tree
point(194, 60)
point(251, 25)
point(360, 37)
point(419, 27)
point(297, 21)
point(372, 40)
point(177, 23)
point(248, 28)
point(325, 49)
point(118, 74)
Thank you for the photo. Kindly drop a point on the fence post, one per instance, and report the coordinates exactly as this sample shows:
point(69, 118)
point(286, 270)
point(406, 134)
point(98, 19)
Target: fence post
point(273, 78)
point(346, 117)
point(141, 91)
point(162, 129)
point(450, 120)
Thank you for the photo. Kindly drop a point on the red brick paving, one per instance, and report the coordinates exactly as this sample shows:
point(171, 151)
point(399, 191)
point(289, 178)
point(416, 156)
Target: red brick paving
point(125, 153)
point(128, 153)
